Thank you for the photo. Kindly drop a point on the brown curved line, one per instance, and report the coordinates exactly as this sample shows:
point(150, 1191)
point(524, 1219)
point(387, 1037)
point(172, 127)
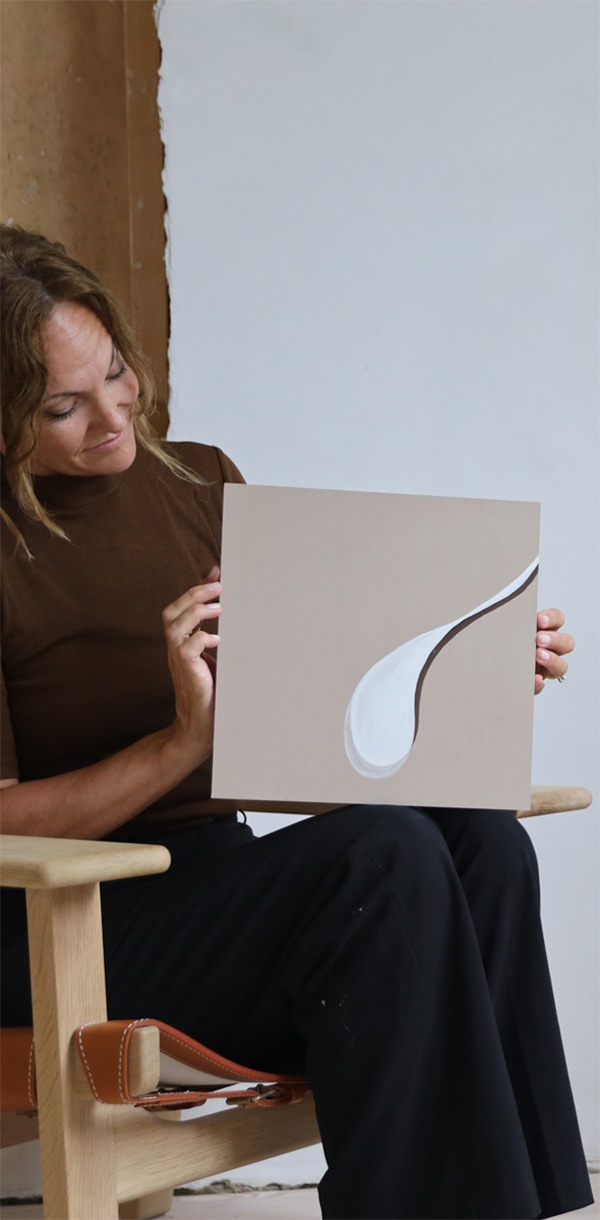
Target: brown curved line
point(455, 631)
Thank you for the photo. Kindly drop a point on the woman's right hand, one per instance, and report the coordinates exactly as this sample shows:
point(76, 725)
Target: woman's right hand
point(92, 801)
point(192, 670)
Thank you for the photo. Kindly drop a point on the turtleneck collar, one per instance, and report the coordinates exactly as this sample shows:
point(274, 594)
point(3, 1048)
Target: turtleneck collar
point(65, 493)
point(70, 494)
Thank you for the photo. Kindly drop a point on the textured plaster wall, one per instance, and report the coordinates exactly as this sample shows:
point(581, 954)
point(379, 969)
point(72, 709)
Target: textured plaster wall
point(64, 156)
point(383, 268)
point(81, 155)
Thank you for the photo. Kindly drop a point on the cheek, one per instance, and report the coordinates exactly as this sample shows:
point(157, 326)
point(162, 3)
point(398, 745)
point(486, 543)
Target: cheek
point(62, 438)
point(56, 444)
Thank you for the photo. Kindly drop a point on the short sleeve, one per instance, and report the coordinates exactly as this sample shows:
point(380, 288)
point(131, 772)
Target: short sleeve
point(9, 768)
point(230, 472)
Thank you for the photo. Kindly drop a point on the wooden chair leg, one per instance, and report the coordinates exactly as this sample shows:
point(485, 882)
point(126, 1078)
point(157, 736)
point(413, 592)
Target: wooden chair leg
point(148, 1206)
point(67, 974)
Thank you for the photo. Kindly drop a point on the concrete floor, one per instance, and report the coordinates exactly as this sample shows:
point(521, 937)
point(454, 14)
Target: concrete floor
point(275, 1205)
point(255, 1205)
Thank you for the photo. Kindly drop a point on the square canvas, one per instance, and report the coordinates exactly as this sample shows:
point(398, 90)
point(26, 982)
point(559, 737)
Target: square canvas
point(375, 649)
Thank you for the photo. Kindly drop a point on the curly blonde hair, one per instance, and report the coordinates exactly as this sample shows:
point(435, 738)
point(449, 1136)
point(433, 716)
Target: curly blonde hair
point(37, 275)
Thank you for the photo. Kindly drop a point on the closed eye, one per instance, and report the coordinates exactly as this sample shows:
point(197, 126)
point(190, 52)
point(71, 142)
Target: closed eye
point(60, 414)
point(119, 373)
point(57, 415)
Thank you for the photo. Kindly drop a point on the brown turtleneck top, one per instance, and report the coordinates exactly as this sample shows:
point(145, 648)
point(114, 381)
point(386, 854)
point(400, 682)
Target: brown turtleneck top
point(84, 660)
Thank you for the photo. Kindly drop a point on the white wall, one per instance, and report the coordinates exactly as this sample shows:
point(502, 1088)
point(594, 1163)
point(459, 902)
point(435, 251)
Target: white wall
point(382, 254)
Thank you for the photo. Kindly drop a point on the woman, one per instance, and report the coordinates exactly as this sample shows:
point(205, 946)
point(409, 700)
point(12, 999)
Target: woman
point(395, 954)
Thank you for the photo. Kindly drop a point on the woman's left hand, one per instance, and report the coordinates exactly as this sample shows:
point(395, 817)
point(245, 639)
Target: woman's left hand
point(551, 647)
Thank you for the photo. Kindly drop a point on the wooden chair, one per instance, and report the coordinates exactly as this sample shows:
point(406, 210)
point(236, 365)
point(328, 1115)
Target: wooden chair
point(102, 1161)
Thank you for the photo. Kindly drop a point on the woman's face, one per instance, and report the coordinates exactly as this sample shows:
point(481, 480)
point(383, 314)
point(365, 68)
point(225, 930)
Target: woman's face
point(86, 418)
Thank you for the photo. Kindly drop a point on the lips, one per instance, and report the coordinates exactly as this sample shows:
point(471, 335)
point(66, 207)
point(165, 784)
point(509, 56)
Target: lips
point(113, 442)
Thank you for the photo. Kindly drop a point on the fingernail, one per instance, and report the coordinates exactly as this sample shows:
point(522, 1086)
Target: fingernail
point(543, 655)
point(545, 620)
point(543, 638)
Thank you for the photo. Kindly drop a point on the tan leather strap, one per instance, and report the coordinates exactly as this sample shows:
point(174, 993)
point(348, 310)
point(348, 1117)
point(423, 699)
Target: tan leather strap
point(103, 1049)
point(260, 1096)
point(104, 1052)
point(17, 1070)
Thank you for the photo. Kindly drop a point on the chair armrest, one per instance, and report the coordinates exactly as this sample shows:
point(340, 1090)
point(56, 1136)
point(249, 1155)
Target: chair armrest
point(546, 799)
point(44, 863)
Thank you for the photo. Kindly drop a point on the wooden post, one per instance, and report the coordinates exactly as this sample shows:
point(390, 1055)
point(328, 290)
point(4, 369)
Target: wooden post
point(67, 975)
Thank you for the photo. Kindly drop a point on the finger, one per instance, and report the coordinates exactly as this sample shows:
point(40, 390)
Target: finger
point(194, 645)
point(539, 684)
point(209, 660)
point(214, 574)
point(550, 620)
point(198, 595)
point(559, 642)
point(192, 648)
point(550, 665)
point(190, 621)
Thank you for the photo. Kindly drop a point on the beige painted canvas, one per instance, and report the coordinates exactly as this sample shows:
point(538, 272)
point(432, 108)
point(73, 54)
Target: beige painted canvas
point(375, 648)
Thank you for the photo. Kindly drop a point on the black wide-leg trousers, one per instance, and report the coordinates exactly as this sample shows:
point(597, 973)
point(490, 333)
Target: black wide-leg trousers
point(396, 955)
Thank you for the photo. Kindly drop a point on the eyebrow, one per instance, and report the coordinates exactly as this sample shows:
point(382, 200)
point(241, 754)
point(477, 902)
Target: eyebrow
point(74, 393)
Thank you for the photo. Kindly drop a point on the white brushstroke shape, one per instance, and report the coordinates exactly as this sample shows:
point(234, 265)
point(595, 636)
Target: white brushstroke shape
point(382, 716)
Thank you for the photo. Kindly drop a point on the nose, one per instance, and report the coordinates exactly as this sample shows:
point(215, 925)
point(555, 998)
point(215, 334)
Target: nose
point(110, 414)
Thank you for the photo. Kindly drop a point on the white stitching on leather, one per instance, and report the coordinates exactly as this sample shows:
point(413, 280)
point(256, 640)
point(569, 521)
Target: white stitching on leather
point(132, 1025)
point(189, 1050)
point(30, 1089)
point(88, 1070)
